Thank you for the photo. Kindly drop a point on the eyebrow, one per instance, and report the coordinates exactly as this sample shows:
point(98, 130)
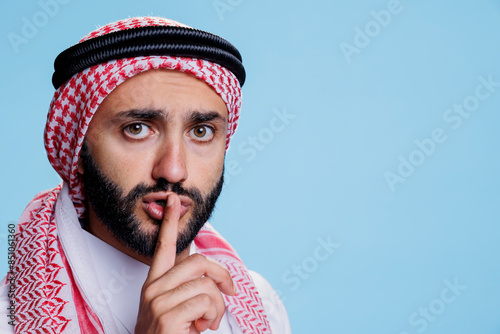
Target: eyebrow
point(194, 116)
point(142, 114)
point(200, 117)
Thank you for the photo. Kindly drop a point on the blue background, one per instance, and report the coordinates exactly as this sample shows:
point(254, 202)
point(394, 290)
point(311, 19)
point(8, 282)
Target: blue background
point(353, 117)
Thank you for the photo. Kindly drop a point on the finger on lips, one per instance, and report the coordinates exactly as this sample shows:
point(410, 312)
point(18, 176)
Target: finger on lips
point(194, 284)
point(165, 253)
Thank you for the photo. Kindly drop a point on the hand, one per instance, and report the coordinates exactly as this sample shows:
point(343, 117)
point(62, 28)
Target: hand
point(184, 297)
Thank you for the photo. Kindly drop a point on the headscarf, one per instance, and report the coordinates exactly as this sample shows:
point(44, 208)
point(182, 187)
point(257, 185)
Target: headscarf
point(43, 302)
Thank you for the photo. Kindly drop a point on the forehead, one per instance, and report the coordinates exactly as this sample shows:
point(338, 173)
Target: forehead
point(162, 89)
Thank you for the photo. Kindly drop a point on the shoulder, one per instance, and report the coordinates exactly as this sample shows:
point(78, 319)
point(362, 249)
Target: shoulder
point(5, 327)
point(276, 312)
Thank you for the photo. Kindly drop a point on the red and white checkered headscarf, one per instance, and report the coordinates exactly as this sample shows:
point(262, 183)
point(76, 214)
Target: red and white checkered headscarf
point(42, 271)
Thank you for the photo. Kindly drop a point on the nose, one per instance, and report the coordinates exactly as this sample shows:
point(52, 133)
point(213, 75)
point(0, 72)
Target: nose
point(171, 163)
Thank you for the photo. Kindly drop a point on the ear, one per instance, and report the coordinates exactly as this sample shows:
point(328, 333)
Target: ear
point(83, 151)
point(80, 165)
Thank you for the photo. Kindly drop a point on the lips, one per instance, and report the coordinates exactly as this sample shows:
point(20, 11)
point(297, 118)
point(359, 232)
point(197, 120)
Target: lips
point(154, 204)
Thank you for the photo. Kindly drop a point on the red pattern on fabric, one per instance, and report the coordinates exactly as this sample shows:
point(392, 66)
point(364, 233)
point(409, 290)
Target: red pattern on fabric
point(83, 311)
point(246, 306)
point(45, 303)
point(39, 278)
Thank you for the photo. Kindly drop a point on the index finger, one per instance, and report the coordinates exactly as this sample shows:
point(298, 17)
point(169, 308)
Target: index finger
point(166, 246)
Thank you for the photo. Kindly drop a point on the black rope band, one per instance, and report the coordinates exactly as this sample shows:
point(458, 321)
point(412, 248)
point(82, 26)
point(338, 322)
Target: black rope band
point(147, 41)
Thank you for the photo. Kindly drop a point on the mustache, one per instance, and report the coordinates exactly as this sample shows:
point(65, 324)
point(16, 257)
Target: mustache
point(162, 185)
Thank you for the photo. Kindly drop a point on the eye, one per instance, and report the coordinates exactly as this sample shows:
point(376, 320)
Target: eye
point(202, 133)
point(137, 130)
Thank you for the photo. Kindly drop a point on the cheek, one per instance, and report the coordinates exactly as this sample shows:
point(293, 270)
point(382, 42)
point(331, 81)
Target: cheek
point(129, 170)
point(205, 169)
point(126, 168)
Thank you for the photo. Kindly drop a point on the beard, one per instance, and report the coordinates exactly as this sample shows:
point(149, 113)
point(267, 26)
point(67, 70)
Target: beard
point(115, 209)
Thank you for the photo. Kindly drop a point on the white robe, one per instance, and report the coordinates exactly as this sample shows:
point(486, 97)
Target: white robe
point(111, 281)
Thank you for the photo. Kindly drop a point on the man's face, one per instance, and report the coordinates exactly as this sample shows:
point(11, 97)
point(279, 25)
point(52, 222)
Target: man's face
point(160, 131)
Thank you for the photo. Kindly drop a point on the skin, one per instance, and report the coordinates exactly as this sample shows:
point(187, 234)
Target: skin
point(178, 135)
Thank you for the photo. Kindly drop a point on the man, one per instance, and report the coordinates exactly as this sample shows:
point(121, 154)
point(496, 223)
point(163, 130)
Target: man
point(138, 128)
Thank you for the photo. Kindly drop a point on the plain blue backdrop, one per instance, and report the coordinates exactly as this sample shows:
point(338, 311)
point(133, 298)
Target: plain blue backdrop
point(364, 174)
